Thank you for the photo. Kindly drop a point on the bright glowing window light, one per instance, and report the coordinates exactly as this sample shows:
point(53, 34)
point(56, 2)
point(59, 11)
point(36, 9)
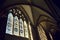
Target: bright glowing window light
point(26, 29)
point(16, 26)
point(21, 28)
point(9, 25)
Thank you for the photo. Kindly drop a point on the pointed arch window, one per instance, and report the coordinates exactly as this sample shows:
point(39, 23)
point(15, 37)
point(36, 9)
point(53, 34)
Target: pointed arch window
point(26, 29)
point(9, 25)
point(17, 24)
point(21, 28)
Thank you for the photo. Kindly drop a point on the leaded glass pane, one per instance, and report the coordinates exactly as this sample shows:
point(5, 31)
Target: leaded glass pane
point(21, 28)
point(9, 25)
point(16, 26)
point(26, 29)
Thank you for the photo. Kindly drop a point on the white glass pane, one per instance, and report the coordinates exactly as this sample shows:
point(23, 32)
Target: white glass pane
point(26, 29)
point(16, 26)
point(9, 25)
point(21, 28)
point(31, 37)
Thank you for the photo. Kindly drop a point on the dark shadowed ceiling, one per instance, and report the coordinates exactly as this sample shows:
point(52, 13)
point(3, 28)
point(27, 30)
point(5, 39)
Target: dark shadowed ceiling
point(41, 7)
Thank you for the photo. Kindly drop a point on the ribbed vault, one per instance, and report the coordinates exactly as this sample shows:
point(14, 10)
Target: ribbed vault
point(38, 13)
point(33, 12)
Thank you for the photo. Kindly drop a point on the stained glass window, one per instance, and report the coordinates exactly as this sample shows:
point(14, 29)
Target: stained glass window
point(21, 28)
point(26, 29)
point(9, 25)
point(16, 26)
